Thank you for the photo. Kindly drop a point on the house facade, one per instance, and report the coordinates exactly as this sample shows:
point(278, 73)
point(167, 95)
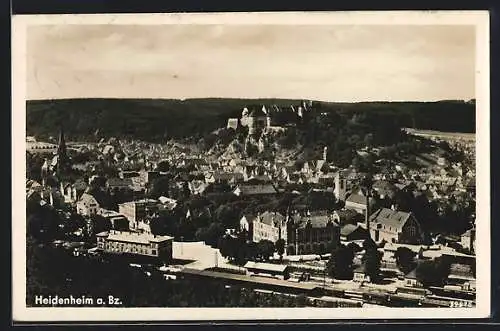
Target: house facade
point(394, 226)
point(302, 233)
point(269, 226)
point(87, 205)
point(311, 234)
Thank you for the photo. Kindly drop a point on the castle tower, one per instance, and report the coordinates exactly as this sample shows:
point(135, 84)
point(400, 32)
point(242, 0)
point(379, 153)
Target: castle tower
point(257, 120)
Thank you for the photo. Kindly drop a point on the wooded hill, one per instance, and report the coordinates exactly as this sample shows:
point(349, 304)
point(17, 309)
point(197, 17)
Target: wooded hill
point(161, 119)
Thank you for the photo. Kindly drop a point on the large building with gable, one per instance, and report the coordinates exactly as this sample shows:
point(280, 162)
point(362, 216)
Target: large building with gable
point(306, 233)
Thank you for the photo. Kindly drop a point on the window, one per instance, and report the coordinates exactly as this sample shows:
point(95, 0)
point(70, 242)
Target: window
point(153, 252)
point(412, 231)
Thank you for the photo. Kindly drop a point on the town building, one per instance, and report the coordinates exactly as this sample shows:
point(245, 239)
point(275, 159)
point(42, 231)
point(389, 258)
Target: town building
point(87, 205)
point(357, 202)
point(279, 271)
point(351, 232)
point(118, 221)
point(360, 275)
point(232, 123)
point(468, 240)
point(347, 216)
point(462, 275)
point(255, 190)
point(135, 243)
point(137, 211)
point(395, 226)
point(246, 225)
point(311, 234)
point(255, 118)
point(73, 191)
point(303, 233)
point(269, 226)
point(411, 280)
point(117, 183)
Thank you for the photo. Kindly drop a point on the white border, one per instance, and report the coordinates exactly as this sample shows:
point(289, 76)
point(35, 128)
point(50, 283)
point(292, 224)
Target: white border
point(21, 313)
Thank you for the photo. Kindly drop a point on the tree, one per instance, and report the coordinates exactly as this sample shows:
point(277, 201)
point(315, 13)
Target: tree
point(368, 140)
point(211, 234)
point(405, 259)
point(252, 250)
point(100, 224)
point(163, 166)
point(227, 215)
point(157, 225)
point(339, 265)
point(233, 248)
point(280, 247)
point(160, 186)
point(265, 248)
point(354, 247)
point(369, 244)
point(433, 273)
point(371, 260)
point(225, 246)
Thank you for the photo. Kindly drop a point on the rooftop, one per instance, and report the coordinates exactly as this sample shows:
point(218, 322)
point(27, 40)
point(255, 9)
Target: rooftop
point(265, 266)
point(134, 237)
point(348, 229)
point(357, 198)
point(390, 217)
point(270, 217)
point(316, 221)
point(246, 189)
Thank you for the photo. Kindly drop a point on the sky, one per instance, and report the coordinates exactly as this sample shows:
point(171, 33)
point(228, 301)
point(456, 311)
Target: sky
point(319, 62)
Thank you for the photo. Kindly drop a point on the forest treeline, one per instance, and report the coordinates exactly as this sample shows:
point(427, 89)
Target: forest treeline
point(157, 120)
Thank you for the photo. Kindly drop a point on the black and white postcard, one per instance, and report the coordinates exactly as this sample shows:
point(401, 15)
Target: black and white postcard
point(251, 166)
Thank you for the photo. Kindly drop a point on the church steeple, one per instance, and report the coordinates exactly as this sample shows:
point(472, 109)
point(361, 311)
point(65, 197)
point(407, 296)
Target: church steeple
point(62, 157)
point(61, 149)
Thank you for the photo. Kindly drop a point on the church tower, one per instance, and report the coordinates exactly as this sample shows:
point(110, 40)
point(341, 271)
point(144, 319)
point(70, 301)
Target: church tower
point(340, 186)
point(62, 156)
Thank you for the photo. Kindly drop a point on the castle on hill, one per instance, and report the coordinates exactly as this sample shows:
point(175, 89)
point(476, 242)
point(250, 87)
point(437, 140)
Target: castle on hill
point(262, 120)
